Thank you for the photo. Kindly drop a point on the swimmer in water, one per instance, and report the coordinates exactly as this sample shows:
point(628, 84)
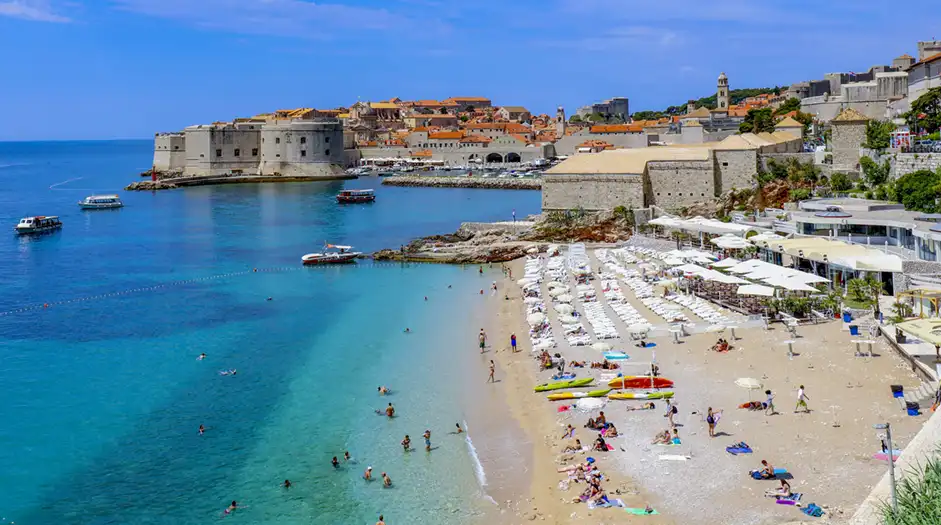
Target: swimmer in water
point(426, 297)
point(269, 299)
point(286, 484)
point(346, 455)
point(390, 410)
point(406, 443)
point(335, 462)
point(386, 480)
point(368, 474)
point(383, 390)
point(459, 429)
point(201, 429)
point(427, 436)
point(407, 330)
point(381, 520)
point(232, 507)
point(201, 357)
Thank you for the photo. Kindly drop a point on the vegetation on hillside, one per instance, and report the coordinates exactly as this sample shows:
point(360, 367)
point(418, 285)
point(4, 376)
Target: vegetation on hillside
point(919, 497)
point(878, 134)
point(757, 121)
point(926, 112)
point(735, 96)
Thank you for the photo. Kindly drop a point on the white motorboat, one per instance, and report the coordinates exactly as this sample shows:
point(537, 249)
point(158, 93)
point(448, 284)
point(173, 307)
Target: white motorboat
point(332, 254)
point(101, 202)
point(40, 224)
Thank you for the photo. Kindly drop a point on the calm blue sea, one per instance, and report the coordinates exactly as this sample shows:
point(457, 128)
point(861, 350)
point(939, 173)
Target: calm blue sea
point(102, 393)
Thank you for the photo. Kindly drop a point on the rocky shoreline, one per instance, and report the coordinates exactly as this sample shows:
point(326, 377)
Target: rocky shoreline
point(181, 182)
point(464, 182)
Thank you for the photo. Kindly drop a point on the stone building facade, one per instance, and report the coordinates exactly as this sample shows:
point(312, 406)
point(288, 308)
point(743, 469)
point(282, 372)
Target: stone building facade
point(848, 135)
point(592, 191)
point(169, 151)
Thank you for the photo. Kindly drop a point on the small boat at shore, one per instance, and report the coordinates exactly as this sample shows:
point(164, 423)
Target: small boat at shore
point(640, 382)
point(574, 383)
point(356, 196)
point(101, 202)
point(342, 254)
point(640, 395)
point(577, 395)
point(38, 224)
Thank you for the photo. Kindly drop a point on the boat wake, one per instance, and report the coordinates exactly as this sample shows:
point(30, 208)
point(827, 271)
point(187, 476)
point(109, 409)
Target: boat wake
point(63, 183)
point(478, 467)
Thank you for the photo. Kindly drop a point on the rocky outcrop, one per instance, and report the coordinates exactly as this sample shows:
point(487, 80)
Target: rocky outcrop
point(149, 185)
point(464, 182)
point(609, 226)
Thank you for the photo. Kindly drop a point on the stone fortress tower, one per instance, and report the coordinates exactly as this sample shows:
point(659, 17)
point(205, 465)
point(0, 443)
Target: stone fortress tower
point(722, 93)
point(560, 122)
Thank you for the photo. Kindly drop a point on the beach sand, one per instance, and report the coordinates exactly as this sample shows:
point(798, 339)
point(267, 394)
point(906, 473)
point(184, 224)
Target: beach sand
point(828, 451)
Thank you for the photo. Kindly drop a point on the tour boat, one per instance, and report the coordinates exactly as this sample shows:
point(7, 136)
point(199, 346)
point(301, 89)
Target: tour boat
point(341, 255)
point(101, 202)
point(40, 224)
point(356, 196)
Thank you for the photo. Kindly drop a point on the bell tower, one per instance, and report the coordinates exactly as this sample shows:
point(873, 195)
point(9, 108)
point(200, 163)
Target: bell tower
point(560, 122)
point(722, 93)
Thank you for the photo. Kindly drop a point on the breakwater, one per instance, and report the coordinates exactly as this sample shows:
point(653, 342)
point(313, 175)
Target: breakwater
point(464, 182)
point(181, 182)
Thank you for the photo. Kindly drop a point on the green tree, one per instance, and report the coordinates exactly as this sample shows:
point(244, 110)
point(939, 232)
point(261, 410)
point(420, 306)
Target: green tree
point(918, 190)
point(757, 121)
point(875, 173)
point(596, 117)
point(575, 118)
point(791, 104)
point(840, 182)
point(464, 118)
point(878, 134)
point(648, 115)
point(866, 291)
point(800, 172)
point(799, 194)
point(926, 111)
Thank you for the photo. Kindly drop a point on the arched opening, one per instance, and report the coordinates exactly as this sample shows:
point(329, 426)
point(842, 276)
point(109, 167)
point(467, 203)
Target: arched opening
point(513, 157)
point(494, 157)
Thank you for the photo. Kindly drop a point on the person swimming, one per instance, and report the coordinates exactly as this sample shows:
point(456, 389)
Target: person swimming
point(368, 474)
point(201, 357)
point(459, 429)
point(407, 443)
point(390, 410)
point(346, 455)
point(383, 390)
point(335, 462)
point(201, 429)
point(231, 507)
point(386, 480)
point(407, 330)
point(286, 484)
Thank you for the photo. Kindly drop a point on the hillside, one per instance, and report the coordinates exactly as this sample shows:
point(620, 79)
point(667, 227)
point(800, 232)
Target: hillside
point(737, 95)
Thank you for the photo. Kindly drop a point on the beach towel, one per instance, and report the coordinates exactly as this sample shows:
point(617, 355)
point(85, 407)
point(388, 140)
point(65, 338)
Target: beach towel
point(563, 408)
point(739, 448)
point(881, 456)
point(793, 499)
point(673, 457)
point(756, 474)
point(606, 504)
point(812, 510)
point(640, 512)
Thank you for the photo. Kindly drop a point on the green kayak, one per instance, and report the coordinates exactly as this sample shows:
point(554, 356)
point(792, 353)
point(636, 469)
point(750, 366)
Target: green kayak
point(572, 383)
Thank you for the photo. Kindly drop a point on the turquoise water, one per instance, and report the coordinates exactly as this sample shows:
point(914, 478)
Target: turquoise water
point(102, 391)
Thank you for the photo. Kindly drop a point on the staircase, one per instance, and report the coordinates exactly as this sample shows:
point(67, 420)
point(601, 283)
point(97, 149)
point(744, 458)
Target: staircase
point(923, 394)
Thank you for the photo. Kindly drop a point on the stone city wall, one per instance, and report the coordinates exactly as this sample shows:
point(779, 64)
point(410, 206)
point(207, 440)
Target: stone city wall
point(676, 184)
point(463, 182)
point(735, 169)
point(903, 163)
point(592, 192)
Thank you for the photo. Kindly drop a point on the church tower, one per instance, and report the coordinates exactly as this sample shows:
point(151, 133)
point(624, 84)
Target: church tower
point(560, 122)
point(722, 94)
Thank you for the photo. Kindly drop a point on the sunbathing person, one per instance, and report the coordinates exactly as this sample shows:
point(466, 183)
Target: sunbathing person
point(766, 471)
point(646, 406)
point(577, 364)
point(577, 446)
point(597, 423)
point(784, 491)
point(662, 438)
point(611, 431)
point(601, 445)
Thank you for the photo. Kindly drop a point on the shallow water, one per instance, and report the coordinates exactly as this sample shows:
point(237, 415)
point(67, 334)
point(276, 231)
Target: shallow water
point(103, 393)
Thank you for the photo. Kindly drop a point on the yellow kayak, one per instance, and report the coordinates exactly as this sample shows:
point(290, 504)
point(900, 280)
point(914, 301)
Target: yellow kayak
point(577, 395)
point(640, 395)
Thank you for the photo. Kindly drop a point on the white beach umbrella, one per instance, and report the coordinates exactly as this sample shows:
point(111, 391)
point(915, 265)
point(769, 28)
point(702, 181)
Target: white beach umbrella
point(533, 250)
point(638, 328)
point(564, 298)
point(536, 319)
point(532, 300)
point(749, 383)
point(556, 284)
point(581, 271)
point(564, 309)
point(555, 292)
point(524, 281)
point(568, 319)
point(756, 289)
point(601, 347)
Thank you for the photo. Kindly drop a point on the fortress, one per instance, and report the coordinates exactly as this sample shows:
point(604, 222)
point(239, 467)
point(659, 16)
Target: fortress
point(290, 143)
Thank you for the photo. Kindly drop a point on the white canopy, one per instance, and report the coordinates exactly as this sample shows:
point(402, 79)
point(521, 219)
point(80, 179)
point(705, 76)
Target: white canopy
point(730, 242)
point(789, 284)
point(726, 263)
point(756, 289)
point(601, 347)
point(765, 237)
point(568, 319)
point(556, 284)
point(564, 308)
point(536, 319)
point(700, 224)
point(555, 292)
point(565, 298)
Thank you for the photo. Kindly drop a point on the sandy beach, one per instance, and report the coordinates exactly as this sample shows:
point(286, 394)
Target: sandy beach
point(827, 452)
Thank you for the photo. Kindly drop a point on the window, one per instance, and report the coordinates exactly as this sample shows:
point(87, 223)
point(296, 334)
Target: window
point(278, 155)
point(327, 139)
point(218, 152)
point(725, 164)
point(303, 153)
point(703, 194)
point(669, 194)
point(201, 155)
point(254, 152)
point(303, 140)
point(238, 152)
point(176, 147)
point(327, 152)
point(277, 140)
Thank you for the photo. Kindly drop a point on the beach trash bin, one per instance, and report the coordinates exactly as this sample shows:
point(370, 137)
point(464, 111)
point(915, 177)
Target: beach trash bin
point(847, 317)
point(913, 412)
point(897, 390)
point(854, 330)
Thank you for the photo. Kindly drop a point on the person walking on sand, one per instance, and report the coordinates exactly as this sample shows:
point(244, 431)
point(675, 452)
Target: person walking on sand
point(769, 404)
point(427, 436)
point(802, 400)
point(513, 342)
point(492, 367)
point(482, 340)
point(671, 411)
point(711, 421)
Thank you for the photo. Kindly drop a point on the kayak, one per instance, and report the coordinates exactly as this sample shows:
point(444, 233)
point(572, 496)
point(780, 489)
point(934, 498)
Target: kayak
point(572, 383)
point(578, 395)
point(640, 382)
point(640, 395)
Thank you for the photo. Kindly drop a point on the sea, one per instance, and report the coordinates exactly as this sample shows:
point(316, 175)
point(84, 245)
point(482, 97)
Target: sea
point(101, 325)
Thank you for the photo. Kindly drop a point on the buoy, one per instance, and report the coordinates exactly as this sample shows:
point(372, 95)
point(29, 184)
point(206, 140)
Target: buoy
point(45, 305)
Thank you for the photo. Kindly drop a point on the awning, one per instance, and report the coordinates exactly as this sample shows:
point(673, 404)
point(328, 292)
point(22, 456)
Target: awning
point(756, 289)
point(726, 263)
point(928, 330)
point(792, 285)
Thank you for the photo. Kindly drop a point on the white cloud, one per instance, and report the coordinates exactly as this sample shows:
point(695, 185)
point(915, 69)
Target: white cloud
point(294, 18)
point(33, 10)
point(620, 38)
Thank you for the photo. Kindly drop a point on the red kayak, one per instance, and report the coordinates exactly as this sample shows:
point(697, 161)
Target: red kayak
point(640, 382)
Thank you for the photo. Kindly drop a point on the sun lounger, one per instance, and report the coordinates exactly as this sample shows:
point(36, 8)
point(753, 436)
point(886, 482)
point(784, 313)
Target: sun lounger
point(640, 512)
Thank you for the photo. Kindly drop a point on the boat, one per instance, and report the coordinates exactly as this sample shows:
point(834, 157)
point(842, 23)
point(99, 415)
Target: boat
point(573, 383)
point(39, 224)
point(640, 395)
point(356, 196)
point(640, 382)
point(342, 254)
point(100, 202)
point(578, 395)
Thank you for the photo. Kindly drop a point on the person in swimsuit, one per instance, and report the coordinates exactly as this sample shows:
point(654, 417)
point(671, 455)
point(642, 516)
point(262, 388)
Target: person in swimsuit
point(711, 421)
point(346, 455)
point(390, 410)
point(492, 368)
point(201, 357)
point(381, 520)
point(286, 484)
point(201, 429)
point(427, 436)
point(368, 474)
point(406, 443)
point(386, 480)
point(482, 339)
point(232, 507)
point(335, 462)
point(513, 342)
point(407, 331)
point(459, 429)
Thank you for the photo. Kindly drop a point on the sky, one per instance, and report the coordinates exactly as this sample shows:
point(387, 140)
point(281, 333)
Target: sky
point(104, 69)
